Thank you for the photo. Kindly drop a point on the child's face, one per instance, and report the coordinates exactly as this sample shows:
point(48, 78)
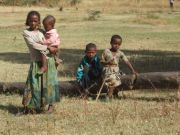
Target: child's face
point(34, 22)
point(91, 53)
point(47, 25)
point(116, 44)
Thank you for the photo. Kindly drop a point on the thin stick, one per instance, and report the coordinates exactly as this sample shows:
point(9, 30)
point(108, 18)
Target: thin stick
point(42, 91)
point(100, 89)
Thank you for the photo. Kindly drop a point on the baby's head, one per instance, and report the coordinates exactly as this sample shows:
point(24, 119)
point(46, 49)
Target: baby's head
point(49, 22)
point(33, 20)
point(115, 42)
point(90, 50)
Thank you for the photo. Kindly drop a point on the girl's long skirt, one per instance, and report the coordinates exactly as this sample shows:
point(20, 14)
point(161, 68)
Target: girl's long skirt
point(41, 89)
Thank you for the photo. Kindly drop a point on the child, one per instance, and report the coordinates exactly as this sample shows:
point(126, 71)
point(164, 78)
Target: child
point(39, 90)
point(51, 39)
point(110, 60)
point(89, 69)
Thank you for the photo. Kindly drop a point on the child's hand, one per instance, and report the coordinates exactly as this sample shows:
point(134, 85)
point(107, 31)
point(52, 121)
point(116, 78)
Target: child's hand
point(40, 42)
point(135, 73)
point(102, 61)
point(53, 50)
point(48, 44)
point(111, 62)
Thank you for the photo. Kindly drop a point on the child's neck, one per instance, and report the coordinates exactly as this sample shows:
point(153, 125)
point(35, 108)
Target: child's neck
point(50, 29)
point(90, 59)
point(31, 29)
point(113, 50)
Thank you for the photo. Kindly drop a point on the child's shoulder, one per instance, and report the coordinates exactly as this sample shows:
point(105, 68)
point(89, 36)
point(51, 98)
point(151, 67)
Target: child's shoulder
point(120, 52)
point(107, 50)
point(42, 31)
point(52, 31)
point(28, 32)
point(96, 58)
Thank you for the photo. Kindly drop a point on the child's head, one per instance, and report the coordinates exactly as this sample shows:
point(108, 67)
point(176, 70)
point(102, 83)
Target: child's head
point(116, 42)
point(49, 22)
point(33, 20)
point(90, 50)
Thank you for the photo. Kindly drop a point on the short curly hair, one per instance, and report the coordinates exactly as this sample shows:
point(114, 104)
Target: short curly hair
point(114, 37)
point(90, 46)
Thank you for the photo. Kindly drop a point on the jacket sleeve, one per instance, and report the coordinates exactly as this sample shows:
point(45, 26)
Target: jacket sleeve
point(80, 72)
point(30, 42)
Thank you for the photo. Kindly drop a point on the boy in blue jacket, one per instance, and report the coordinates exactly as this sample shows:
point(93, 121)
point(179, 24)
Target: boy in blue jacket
point(89, 69)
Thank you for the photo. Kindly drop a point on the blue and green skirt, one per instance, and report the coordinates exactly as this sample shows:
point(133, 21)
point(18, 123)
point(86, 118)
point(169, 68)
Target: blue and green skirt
point(41, 89)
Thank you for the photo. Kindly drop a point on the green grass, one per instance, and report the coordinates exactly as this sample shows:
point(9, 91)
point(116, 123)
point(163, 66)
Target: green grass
point(151, 42)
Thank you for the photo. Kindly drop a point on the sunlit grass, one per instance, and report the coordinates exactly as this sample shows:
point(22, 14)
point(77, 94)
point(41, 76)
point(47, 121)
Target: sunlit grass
point(136, 113)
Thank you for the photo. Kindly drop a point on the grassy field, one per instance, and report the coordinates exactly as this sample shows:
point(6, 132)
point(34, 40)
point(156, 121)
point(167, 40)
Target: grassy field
point(150, 40)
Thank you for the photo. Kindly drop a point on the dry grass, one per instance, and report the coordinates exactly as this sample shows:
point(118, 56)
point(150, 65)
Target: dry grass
point(137, 113)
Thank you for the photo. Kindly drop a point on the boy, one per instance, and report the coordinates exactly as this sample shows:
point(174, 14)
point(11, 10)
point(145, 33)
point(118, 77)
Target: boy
point(110, 60)
point(89, 69)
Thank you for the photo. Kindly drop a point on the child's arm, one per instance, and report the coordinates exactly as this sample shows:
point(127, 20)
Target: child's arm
point(53, 40)
point(130, 67)
point(31, 42)
point(80, 72)
point(126, 61)
point(104, 62)
point(56, 41)
point(53, 49)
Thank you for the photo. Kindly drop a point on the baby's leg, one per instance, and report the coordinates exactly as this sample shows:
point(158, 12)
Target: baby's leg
point(58, 61)
point(44, 67)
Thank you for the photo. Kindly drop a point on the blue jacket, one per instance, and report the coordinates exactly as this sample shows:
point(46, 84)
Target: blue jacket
point(92, 68)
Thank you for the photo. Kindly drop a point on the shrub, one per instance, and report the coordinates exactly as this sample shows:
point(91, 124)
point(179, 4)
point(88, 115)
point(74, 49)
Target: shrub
point(29, 2)
point(93, 15)
point(74, 2)
point(20, 2)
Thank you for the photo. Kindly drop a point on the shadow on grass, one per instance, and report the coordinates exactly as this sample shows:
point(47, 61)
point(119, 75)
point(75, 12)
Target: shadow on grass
point(11, 108)
point(150, 99)
point(15, 57)
point(153, 61)
point(150, 95)
point(142, 60)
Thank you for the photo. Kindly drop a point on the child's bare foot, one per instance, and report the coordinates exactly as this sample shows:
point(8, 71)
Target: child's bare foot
point(42, 70)
point(50, 109)
point(58, 62)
